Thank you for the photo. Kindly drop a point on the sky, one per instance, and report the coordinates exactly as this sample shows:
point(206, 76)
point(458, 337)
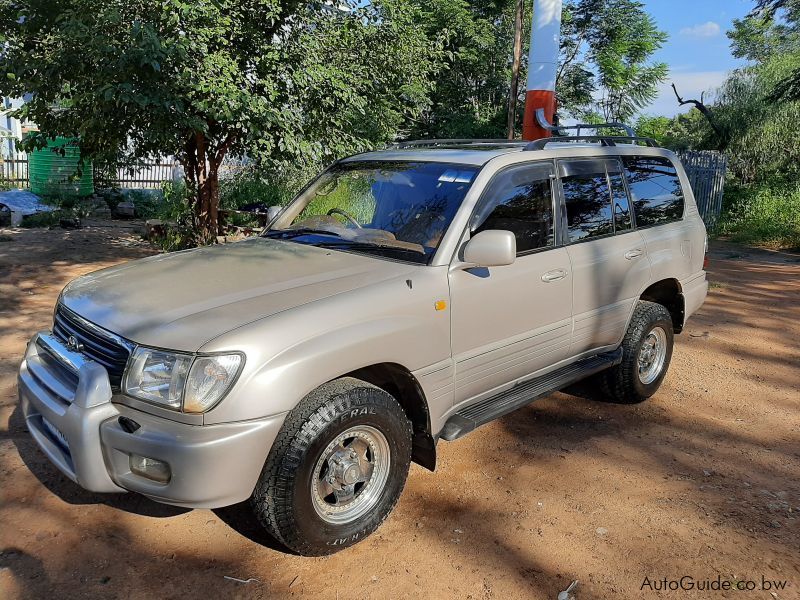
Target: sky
point(698, 51)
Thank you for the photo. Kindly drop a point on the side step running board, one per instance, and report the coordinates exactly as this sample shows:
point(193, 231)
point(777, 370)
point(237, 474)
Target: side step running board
point(473, 416)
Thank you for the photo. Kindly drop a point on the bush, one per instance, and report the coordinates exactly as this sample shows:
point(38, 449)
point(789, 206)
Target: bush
point(45, 219)
point(766, 214)
point(176, 213)
point(249, 186)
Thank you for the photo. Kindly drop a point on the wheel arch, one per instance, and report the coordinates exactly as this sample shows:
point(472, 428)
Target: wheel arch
point(398, 381)
point(668, 293)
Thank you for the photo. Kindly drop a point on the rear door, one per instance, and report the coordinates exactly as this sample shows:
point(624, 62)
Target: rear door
point(509, 322)
point(659, 207)
point(608, 256)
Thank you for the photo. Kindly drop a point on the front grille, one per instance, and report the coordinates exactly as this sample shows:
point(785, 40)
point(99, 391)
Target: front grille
point(97, 345)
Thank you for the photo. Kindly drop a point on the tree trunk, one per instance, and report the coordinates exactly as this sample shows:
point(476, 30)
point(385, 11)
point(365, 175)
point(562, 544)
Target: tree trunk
point(201, 167)
point(514, 92)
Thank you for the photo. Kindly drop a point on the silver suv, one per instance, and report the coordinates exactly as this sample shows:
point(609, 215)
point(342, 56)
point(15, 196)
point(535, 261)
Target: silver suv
point(406, 296)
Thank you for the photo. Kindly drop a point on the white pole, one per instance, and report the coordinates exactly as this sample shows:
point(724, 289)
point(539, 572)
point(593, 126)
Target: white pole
point(542, 66)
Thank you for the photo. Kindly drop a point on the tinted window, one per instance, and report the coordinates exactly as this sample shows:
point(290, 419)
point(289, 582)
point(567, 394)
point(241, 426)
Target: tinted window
point(588, 199)
point(519, 200)
point(656, 190)
point(622, 208)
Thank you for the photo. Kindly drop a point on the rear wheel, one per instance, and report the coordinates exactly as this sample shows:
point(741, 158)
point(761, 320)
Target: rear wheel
point(646, 354)
point(337, 468)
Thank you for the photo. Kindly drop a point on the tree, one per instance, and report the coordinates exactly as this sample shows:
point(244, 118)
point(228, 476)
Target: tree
point(276, 80)
point(606, 52)
point(758, 106)
point(771, 30)
point(470, 93)
point(656, 128)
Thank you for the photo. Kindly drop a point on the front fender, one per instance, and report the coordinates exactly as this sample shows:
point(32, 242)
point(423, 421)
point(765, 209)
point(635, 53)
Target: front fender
point(294, 352)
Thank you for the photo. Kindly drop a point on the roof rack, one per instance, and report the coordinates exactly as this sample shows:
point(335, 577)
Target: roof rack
point(603, 140)
point(541, 118)
point(451, 142)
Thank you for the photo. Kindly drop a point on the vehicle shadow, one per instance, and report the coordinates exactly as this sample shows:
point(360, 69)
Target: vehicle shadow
point(238, 517)
point(721, 467)
point(241, 519)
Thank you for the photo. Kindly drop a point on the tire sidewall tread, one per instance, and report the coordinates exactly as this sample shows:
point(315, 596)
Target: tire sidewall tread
point(282, 498)
point(621, 383)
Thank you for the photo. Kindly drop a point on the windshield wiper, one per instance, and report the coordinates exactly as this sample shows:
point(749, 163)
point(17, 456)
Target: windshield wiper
point(356, 245)
point(285, 233)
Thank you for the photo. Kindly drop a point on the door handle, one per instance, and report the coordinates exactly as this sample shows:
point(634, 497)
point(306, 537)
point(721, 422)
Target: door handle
point(552, 276)
point(630, 255)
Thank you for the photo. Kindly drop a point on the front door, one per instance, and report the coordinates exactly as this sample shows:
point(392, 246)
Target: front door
point(608, 256)
point(509, 322)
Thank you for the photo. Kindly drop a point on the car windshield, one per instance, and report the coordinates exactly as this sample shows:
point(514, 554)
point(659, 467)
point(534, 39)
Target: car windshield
point(398, 209)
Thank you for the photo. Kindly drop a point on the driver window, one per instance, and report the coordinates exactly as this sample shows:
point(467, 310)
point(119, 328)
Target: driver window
point(520, 200)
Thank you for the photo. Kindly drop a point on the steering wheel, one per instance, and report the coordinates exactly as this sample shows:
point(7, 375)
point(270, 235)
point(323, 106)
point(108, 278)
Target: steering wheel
point(346, 215)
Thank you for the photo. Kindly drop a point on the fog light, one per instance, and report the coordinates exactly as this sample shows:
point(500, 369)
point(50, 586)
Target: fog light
point(150, 468)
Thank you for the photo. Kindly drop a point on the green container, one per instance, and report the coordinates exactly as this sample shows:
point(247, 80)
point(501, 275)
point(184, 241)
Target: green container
point(57, 170)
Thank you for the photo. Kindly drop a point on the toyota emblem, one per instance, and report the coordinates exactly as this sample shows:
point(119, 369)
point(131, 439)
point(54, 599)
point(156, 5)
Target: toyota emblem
point(74, 344)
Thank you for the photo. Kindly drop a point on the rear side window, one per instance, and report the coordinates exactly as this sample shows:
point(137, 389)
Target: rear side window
point(520, 200)
point(622, 207)
point(655, 189)
point(588, 199)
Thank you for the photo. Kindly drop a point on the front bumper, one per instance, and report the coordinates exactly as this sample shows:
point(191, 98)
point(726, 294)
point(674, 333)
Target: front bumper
point(68, 406)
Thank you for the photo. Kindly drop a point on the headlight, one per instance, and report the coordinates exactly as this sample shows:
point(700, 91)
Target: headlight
point(180, 381)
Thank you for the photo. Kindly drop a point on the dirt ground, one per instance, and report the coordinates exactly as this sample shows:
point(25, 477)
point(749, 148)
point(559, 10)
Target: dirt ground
point(701, 481)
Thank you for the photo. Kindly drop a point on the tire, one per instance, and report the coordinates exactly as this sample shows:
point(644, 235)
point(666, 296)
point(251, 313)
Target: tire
point(627, 383)
point(296, 496)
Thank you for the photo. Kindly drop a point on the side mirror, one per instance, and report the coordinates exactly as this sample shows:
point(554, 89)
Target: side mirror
point(492, 248)
point(273, 211)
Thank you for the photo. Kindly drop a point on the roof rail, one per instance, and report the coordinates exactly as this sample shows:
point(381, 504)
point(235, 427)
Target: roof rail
point(580, 126)
point(604, 140)
point(541, 118)
point(449, 142)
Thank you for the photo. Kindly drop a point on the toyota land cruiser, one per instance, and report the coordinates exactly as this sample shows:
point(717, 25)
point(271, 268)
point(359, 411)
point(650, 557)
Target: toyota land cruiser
point(405, 297)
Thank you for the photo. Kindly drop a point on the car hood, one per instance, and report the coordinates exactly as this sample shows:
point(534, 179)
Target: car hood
point(184, 299)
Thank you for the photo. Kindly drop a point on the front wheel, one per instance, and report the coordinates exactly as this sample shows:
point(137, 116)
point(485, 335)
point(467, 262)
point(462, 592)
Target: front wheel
point(646, 354)
point(337, 468)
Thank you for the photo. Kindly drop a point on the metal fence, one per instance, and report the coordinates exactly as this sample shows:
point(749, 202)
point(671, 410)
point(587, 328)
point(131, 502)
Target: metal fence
point(14, 173)
point(706, 171)
point(14, 170)
point(145, 175)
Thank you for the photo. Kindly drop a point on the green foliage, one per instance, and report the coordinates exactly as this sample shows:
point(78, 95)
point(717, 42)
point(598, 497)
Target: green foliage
point(281, 81)
point(657, 128)
point(766, 213)
point(469, 95)
point(762, 131)
point(607, 46)
point(176, 204)
point(758, 114)
point(690, 131)
point(174, 210)
point(252, 184)
point(606, 49)
point(761, 35)
point(45, 219)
